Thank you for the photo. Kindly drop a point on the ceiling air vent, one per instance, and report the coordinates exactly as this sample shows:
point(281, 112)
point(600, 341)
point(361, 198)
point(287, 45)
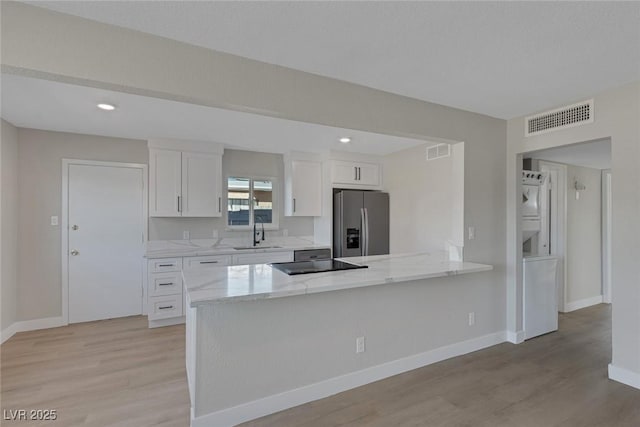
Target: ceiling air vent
point(438, 151)
point(561, 118)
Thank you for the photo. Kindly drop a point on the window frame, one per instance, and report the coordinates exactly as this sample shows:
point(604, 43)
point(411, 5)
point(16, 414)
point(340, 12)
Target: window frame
point(275, 202)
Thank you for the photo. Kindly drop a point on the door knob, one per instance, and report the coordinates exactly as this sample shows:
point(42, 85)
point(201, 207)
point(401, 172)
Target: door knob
point(75, 227)
point(74, 252)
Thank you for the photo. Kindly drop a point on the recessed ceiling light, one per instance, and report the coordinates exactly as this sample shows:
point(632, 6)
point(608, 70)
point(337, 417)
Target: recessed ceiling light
point(345, 140)
point(106, 107)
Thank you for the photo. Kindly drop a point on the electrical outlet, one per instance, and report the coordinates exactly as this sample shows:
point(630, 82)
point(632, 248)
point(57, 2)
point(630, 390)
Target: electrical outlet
point(285, 232)
point(214, 233)
point(472, 233)
point(54, 220)
point(472, 318)
point(360, 345)
point(185, 235)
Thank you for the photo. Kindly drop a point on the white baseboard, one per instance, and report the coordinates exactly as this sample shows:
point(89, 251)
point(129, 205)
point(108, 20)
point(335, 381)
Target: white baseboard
point(288, 399)
point(8, 332)
point(32, 325)
point(515, 337)
point(167, 322)
point(624, 376)
point(583, 303)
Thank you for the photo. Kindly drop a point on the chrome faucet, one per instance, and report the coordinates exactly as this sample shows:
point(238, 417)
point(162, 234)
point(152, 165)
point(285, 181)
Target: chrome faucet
point(256, 233)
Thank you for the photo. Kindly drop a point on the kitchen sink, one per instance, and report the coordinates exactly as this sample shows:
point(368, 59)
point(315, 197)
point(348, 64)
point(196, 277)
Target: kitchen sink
point(243, 248)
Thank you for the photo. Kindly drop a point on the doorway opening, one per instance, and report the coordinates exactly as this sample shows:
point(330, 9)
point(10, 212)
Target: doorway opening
point(574, 223)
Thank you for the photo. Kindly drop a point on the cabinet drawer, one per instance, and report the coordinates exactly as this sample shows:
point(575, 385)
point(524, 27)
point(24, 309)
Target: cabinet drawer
point(164, 265)
point(197, 262)
point(164, 284)
point(164, 307)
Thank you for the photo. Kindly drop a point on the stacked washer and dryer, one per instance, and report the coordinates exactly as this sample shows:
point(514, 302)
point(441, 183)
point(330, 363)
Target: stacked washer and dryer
point(540, 269)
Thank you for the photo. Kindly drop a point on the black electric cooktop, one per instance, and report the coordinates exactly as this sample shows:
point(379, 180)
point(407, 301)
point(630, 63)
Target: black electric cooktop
point(315, 266)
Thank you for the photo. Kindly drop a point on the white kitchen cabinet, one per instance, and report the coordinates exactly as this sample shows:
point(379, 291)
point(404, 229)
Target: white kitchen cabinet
point(164, 265)
point(207, 261)
point(165, 182)
point(303, 188)
point(165, 307)
point(161, 284)
point(164, 294)
point(201, 185)
point(356, 174)
point(185, 179)
point(262, 258)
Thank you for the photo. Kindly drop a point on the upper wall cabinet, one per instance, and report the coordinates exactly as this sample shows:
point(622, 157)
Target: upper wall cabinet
point(356, 174)
point(185, 179)
point(302, 186)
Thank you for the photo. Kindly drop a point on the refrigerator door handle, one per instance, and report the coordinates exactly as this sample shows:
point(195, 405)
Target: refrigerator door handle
point(363, 233)
point(366, 232)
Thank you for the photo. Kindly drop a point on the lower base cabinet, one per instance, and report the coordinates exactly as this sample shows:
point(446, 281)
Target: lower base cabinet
point(165, 296)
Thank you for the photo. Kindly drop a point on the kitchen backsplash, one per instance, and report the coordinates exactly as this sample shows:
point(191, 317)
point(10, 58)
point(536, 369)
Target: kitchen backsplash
point(203, 228)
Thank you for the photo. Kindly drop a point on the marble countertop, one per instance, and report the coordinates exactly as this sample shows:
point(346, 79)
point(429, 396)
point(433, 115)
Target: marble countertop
point(225, 246)
point(254, 282)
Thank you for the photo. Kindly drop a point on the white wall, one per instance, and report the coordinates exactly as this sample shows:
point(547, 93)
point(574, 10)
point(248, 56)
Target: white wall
point(9, 222)
point(616, 117)
point(40, 155)
point(426, 204)
point(239, 163)
point(397, 320)
point(584, 237)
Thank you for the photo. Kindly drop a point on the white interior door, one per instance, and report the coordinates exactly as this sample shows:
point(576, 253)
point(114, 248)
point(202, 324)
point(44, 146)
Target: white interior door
point(105, 237)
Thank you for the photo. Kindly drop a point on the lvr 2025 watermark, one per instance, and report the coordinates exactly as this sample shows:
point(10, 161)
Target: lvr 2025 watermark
point(29, 414)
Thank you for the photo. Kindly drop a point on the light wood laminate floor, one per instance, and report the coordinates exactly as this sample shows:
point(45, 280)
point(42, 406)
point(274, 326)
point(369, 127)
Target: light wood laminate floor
point(119, 373)
point(559, 379)
point(114, 372)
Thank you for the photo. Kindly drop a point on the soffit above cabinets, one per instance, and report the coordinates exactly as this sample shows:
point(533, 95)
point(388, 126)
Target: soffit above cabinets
point(48, 105)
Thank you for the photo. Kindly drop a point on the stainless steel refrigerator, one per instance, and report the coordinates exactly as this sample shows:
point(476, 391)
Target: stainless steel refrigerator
point(360, 223)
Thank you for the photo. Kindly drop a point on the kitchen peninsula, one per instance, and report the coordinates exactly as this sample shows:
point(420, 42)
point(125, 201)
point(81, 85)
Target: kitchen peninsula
point(259, 340)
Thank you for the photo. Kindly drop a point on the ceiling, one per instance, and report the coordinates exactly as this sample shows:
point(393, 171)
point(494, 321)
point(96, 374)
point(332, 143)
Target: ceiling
point(593, 154)
point(43, 104)
point(503, 59)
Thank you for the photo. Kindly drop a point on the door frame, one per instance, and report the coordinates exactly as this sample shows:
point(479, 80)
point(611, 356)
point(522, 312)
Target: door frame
point(606, 235)
point(558, 224)
point(64, 224)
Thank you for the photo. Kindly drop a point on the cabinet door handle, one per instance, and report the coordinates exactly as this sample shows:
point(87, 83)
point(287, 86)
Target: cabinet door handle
point(208, 262)
point(165, 284)
point(165, 307)
point(179, 207)
point(166, 265)
point(294, 204)
point(359, 173)
point(219, 204)
point(355, 171)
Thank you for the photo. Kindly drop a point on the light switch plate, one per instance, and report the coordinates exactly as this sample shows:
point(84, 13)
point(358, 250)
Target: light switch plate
point(54, 220)
point(472, 233)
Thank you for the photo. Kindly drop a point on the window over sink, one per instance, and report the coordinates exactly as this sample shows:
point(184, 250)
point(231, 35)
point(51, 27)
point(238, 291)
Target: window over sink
point(251, 200)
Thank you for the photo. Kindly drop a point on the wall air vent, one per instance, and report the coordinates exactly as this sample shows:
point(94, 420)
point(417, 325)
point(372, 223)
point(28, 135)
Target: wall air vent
point(560, 118)
point(438, 151)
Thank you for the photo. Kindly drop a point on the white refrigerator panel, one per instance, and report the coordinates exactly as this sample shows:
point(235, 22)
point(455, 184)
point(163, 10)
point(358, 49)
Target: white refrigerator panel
point(540, 296)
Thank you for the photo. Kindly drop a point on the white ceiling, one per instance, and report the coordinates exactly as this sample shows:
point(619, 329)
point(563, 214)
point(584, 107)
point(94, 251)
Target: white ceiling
point(503, 59)
point(42, 104)
point(594, 154)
